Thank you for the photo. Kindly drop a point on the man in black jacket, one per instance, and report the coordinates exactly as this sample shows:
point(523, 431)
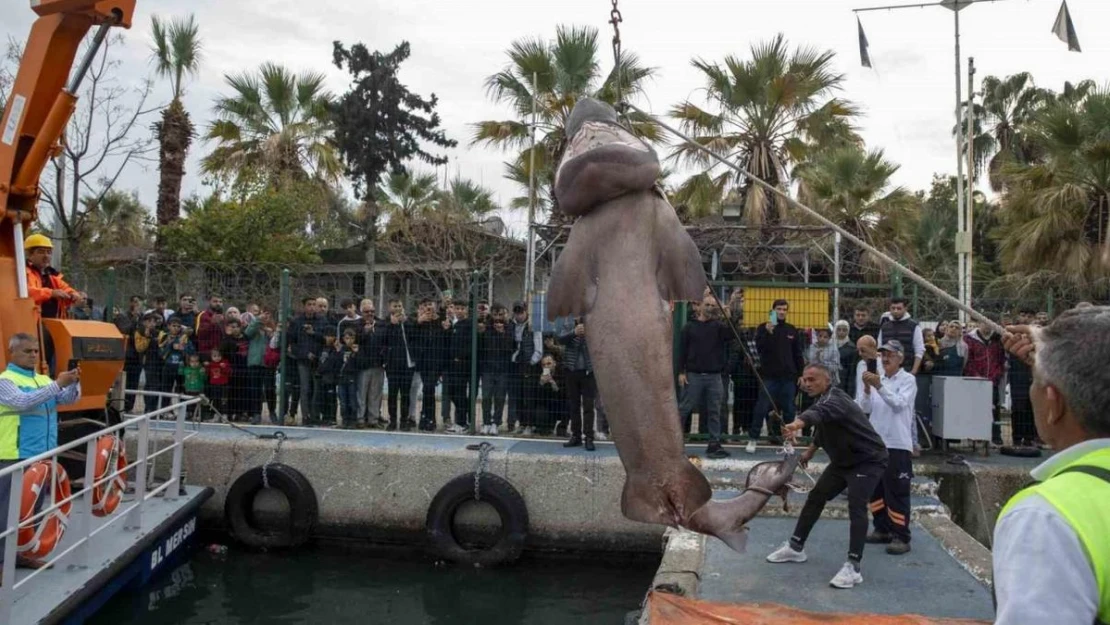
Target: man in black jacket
point(781, 362)
point(305, 339)
point(428, 339)
point(457, 373)
point(496, 352)
point(702, 361)
point(857, 460)
point(400, 365)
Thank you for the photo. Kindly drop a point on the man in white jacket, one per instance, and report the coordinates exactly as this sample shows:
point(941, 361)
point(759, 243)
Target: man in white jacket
point(889, 398)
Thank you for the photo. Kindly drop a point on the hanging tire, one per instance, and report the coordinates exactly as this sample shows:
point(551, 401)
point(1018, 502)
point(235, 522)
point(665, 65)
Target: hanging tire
point(303, 508)
point(494, 490)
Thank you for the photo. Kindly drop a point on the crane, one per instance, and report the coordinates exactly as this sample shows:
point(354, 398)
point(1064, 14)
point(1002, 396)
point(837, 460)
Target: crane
point(42, 101)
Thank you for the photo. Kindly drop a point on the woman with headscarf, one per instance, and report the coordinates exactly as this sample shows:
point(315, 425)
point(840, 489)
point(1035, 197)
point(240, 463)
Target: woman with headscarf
point(849, 356)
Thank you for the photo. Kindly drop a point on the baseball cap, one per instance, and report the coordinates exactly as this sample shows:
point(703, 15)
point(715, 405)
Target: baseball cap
point(892, 346)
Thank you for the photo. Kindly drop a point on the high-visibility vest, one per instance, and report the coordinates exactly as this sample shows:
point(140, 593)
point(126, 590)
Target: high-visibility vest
point(33, 431)
point(1080, 493)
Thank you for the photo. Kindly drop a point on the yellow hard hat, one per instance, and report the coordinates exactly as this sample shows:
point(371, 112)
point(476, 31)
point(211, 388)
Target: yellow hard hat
point(37, 240)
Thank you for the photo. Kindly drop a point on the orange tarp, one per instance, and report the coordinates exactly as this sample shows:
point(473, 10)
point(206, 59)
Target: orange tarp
point(668, 609)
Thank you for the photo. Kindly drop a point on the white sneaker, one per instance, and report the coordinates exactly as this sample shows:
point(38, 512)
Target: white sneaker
point(455, 428)
point(600, 436)
point(847, 577)
point(786, 553)
point(751, 447)
point(529, 431)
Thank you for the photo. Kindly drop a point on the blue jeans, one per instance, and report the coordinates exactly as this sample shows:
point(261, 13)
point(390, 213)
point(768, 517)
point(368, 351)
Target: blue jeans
point(782, 390)
point(348, 401)
point(495, 389)
point(705, 390)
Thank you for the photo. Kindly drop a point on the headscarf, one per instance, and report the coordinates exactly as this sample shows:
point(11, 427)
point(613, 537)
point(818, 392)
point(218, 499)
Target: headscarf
point(841, 342)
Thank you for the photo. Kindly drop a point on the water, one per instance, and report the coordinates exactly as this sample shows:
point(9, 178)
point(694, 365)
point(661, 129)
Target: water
point(336, 586)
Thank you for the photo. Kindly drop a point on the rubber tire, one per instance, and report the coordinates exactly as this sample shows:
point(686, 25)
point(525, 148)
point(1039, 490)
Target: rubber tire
point(496, 491)
point(303, 508)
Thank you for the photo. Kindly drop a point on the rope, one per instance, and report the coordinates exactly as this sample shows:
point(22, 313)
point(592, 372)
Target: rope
point(929, 286)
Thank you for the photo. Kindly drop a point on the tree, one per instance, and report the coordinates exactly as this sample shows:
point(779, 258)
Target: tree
point(852, 188)
point(99, 144)
point(563, 71)
point(766, 113)
point(117, 219)
point(9, 66)
point(271, 225)
point(934, 234)
point(380, 126)
point(177, 54)
point(1007, 105)
point(407, 194)
point(465, 197)
point(276, 126)
point(1057, 209)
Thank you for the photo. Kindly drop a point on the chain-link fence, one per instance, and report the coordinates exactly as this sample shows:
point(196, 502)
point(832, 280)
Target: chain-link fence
point(284, 354)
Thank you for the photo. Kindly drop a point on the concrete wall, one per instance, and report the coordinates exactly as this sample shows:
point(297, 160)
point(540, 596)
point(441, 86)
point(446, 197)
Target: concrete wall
point(378, 486)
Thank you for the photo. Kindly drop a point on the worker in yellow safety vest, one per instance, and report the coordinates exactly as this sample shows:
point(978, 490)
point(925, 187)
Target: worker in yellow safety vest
point(29, 411)
point(1052, 539)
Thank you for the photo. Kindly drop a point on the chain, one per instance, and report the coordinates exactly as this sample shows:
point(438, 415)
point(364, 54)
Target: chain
point(615, 19)
point(483, 466)
point(280, 436)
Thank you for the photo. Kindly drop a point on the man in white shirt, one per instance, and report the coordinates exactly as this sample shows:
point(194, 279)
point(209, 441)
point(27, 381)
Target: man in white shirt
point(889, 397)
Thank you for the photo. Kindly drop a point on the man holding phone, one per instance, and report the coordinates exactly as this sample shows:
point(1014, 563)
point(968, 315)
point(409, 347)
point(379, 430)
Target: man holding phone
point(780, 357)
point(29, 408)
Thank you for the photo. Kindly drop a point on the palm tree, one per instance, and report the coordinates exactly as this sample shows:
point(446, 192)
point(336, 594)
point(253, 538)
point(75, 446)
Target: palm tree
point(767, 114)
point(407, 195)
point(1057, 212)
point(177, 54)
point(563, 71)
point(466, 198)
point(1007, 105)
point(852, 188)
point(117, 219)
point(275, 125)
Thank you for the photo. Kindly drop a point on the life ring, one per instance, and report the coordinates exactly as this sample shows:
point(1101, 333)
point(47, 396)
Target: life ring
point(110, 457)
point(303, 508)
point(494, 490)
point(36, 540)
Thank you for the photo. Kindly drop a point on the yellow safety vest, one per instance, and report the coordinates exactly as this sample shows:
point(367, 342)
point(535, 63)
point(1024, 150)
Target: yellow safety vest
point(37, 425)
point(1080, 492)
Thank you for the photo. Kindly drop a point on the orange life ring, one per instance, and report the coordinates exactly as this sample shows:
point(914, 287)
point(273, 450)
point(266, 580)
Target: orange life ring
point(38, 539)
point(110, 457)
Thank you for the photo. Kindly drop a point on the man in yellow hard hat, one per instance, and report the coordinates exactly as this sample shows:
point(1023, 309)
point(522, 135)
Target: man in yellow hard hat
point(44, 284)
point(1052, 540)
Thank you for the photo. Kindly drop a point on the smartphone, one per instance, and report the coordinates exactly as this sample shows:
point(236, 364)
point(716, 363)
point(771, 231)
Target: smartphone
point(72, 364)
point(547, 370)
point(872, 366)
point(773, 318)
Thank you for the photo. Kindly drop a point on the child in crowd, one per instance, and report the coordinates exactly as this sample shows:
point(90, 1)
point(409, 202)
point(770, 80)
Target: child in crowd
point(349, 367)
point(195, 376)
point(219, 376)
point(174, 348)
point(328, 364)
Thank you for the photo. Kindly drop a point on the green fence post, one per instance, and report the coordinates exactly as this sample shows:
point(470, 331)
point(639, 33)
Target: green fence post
point(284, 306)
point(913, 310)
point(473, 305)
point(110, 302)
point(896, 283)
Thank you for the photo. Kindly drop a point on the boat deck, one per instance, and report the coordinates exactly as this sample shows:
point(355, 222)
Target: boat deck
point(119, 556)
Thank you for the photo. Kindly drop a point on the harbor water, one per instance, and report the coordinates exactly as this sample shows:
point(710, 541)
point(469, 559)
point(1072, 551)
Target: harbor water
point(338, 585)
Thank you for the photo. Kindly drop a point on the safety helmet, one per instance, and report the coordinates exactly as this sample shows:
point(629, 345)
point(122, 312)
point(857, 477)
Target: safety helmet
point(37, 240)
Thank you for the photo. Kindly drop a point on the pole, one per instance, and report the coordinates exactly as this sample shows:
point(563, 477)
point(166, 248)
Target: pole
point(961, 235)
point(473, 306)
point(530, 268)
point(836, 275)
point(20, 259)
point(284, 305)
point(929, 286)
point(970, 177)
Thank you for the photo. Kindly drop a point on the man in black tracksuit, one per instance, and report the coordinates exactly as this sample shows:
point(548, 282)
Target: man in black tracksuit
point(857, 461)
point(430, 360)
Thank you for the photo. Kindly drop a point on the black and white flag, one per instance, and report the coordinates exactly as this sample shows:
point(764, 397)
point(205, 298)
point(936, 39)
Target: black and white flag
point(1065, 29)
point(864, 57)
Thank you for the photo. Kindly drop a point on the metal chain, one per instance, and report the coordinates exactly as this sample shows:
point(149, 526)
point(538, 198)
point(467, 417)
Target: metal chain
point(280, 436)
point(483, 466)
point(615, 19)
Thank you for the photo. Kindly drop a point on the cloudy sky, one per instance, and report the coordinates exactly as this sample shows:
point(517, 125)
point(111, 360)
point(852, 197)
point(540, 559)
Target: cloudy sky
point(908, 97)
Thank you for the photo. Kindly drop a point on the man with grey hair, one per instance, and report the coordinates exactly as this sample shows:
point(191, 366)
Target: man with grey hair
point(29, 408)
point(1058, 529)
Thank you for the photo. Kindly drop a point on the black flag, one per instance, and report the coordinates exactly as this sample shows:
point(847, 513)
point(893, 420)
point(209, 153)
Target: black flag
point(864, 58)
point(1064, 28)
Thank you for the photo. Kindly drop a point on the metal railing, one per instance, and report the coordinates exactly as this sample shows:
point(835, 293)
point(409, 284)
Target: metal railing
point(132, 514)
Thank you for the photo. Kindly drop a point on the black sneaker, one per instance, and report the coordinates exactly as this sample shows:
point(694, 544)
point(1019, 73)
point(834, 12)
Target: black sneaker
point(573, 442)
point(716, 452)
point(879, 538)
point(897, 548)
point(590, 445)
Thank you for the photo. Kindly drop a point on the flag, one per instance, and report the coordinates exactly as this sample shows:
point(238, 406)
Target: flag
point(1064, 28)
point(864, 58)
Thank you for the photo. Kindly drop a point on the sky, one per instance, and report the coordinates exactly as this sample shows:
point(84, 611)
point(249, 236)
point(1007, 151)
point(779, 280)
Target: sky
point(908, 97)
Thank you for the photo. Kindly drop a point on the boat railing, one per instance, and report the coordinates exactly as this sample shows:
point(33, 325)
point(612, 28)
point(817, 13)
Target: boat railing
point(81, 525)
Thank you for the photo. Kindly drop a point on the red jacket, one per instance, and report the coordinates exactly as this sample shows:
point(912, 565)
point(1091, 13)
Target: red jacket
point(984, 359)
point(43, 294)
point(219, 373)
point(209, 333)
